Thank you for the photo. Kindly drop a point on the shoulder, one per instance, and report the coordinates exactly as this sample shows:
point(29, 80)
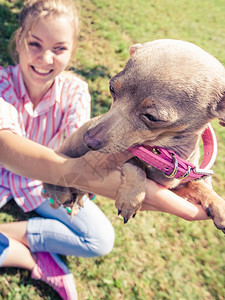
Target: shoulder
point(10, 82)
point(9, 71)
point(8, 112)
point(9, 76)
point(9, 117)
point(3, 71)
point(7, 108)
point(5, 74)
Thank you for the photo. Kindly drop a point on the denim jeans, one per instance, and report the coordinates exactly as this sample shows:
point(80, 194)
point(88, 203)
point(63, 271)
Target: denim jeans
point(4, 248)
point(88, 234)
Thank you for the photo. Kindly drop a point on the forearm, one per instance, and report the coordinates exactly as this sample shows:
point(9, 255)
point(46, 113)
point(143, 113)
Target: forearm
point(107, 183)
point(161, 199)
point(29, 159)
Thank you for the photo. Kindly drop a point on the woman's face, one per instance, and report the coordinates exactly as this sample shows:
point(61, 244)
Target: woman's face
point(46, 51)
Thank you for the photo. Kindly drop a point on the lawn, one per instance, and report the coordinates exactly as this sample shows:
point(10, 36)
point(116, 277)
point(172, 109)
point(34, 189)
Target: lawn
point(156, 256)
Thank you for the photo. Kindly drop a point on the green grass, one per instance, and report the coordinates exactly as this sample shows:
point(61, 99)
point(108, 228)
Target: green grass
point(156, 256)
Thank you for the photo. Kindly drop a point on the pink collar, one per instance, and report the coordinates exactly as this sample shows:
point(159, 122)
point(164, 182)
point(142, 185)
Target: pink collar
point(174, 166)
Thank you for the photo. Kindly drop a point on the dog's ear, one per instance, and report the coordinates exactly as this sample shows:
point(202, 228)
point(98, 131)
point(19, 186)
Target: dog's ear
point(220, 110)
point(134, 48)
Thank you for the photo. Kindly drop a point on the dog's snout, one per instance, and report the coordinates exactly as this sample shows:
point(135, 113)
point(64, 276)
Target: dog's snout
point(99, 135)
point(92, 142)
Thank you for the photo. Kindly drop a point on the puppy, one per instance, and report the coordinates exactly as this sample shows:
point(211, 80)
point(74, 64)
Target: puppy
point(165, 96)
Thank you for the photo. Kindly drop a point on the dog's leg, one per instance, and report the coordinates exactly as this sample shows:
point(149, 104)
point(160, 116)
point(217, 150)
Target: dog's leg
point(132, 190)
point(214, 205)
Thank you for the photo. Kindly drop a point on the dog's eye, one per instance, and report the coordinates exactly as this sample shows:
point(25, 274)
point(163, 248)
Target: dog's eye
point(151, 118)
point(112, 91)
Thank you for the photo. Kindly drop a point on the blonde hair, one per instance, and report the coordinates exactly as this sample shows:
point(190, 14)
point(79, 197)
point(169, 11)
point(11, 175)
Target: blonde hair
point(33, 10)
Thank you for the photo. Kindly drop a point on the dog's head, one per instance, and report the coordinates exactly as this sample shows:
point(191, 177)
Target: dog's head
point(166, 94)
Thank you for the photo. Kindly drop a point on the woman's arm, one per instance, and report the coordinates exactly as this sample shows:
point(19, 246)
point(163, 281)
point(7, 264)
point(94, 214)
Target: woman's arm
point(157, 198)
point(29, 159)
point(161, 199)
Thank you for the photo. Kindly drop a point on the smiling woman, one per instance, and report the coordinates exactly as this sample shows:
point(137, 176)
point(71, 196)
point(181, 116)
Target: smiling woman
point(44, 54)
point(42, 102)
point(40, 55)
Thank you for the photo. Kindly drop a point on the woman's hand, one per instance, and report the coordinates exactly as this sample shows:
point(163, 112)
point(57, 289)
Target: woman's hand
point(161, 199)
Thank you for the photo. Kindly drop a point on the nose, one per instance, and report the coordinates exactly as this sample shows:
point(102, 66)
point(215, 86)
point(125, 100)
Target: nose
point(92, 142)
point(96, 137)
point(47, 56)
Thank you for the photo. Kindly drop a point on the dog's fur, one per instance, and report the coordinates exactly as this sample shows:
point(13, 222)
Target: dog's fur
point(166, 94)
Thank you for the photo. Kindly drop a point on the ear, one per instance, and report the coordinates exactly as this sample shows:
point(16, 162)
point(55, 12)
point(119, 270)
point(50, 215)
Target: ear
point(134, 48)
point(220, 110)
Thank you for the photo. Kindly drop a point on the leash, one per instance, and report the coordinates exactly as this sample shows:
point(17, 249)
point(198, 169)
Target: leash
point(174, 166)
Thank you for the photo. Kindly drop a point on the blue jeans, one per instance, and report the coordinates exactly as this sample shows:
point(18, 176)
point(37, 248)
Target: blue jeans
point(88, 234)
point(4, 248)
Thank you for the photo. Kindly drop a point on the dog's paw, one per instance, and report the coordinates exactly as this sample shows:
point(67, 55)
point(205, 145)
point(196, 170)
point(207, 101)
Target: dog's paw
point(128, 207)
point(128, 213)
point(212, 203)
point(216, 211)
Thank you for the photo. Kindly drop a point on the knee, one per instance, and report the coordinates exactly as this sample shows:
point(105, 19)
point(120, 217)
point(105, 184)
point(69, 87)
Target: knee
point(103, 243)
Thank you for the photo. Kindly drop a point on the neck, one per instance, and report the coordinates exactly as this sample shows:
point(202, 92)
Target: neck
point(36, 94)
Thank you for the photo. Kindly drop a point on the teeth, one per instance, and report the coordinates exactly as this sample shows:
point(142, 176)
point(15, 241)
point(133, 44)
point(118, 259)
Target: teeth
point(41, 71)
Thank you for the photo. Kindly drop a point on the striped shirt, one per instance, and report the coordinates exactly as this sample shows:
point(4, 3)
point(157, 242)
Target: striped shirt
point(63, 109)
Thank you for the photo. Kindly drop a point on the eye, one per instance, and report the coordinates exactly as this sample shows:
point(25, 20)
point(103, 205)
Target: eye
point(112, 90)
point(59, 49)
point(151, 118)
point(34, 44)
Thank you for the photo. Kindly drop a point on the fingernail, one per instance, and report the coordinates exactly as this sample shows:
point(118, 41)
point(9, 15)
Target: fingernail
point(68, 209)
point(51, 201)
point(92, 197)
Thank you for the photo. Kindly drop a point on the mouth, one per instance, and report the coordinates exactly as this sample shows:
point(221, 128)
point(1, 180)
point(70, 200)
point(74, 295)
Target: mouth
point(42, 72)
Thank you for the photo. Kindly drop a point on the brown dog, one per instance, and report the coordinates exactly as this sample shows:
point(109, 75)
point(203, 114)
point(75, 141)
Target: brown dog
point(165, 96)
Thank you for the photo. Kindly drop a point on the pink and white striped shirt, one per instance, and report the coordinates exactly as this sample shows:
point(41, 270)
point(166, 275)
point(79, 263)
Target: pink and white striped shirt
point(63, 109)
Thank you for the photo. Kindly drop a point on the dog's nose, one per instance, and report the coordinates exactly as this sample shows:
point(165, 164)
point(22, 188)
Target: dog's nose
point(92, 142)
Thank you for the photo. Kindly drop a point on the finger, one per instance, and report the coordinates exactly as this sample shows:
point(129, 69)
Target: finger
point(68, 210)
point(91, 196)
point(53, 203)
point(44, 193)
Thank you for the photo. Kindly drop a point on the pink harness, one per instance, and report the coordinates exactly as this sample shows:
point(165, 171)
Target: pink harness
point(174, 166)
